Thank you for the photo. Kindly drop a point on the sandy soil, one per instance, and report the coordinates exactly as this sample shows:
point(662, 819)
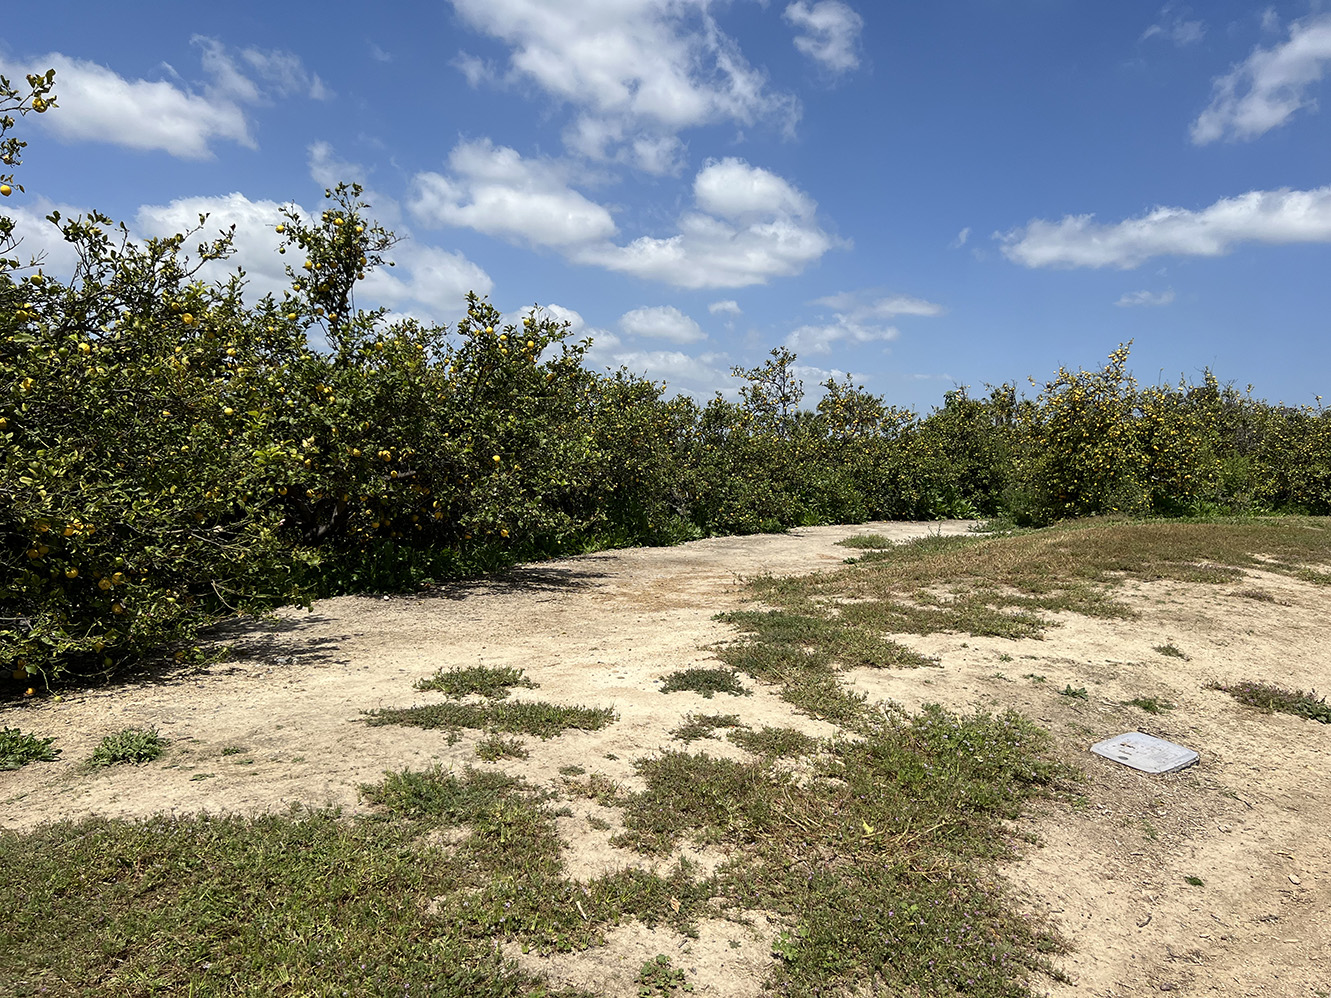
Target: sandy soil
point(1251, 819)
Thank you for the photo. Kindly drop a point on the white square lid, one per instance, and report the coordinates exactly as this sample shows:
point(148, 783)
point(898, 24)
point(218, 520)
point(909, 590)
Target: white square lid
point(1145, 752)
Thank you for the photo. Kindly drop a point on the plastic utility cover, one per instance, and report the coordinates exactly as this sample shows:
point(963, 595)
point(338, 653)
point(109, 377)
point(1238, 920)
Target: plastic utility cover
point(1145, 752)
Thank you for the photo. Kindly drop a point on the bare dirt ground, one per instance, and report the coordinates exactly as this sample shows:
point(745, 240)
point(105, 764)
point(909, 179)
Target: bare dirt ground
point(1252, 820)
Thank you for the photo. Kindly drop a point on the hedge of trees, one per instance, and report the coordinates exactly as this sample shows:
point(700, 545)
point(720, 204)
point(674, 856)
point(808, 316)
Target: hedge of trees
point(171, 454)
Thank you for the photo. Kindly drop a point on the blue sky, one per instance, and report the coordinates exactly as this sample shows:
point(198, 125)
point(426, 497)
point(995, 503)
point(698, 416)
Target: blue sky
point(922, 195)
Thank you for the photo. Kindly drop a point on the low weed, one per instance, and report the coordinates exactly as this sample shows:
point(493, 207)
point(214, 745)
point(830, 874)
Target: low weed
point(1268, 698)
point(545, 720)
point(494, 683)
point(493, 747)
point(658, 978)
point(1259, 595)
point(1078, 692)
point(866, 541)
point(1152, 705)
point(707, 682)
point(130, 745)
point(774, 742)
point(697, 726)
point(1169, 651)
point(17, 749)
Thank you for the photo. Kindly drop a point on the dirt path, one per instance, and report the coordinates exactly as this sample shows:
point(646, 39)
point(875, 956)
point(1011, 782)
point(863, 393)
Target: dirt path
point(1250, 821)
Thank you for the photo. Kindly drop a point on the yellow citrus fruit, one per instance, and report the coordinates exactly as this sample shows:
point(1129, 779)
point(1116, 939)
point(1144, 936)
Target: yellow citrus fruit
point(71, 573)
point(6, 190)
point(496, 458)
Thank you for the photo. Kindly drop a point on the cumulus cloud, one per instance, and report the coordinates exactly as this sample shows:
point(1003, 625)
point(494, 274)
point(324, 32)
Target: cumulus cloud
point(829, 31)
point(661, 322)
point(729, 307)
point(1174, 26)
point(699, 376)
point(492, 189)
point(1267, 88)
point(752, 226)
point(749, 225)
point(858, 317)
point(1132, 299)
point(99, 105)
point(1275, 217)
point(641, 70)
point(428, 276)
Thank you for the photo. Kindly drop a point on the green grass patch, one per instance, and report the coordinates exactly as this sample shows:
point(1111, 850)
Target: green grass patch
point(18, 748)
point(697, 726)
point(1269, 698)
point(494, 683)
point(545, 720)
point(706, 682)
point(315, 903)
point(866, 541)
point(774, 742)
point(130, 745)
point(876, 857)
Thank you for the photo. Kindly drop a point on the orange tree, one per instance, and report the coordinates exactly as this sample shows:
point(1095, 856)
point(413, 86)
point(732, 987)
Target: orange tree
point(132, 506)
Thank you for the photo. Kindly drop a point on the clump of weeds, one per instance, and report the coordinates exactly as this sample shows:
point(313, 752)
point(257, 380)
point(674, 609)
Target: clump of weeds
point(494, 683)
point(707, 682)
point(1268, 698)
point(17, 749)
point(697, 726)
point(129, 745)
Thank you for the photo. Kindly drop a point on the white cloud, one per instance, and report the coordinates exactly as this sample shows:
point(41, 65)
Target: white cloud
point(611, 139)
point(1146, 298)
point(729, 307)
point(754, 226)
point(661, 322)
point(379, 54)
point(829, 31)
point(285, 74)
point(645, 68)
point(329, 171)
point(698, 376)
point(733, 189)
point(99, 105)
point(858, 317)
point(474, 68)
point(819, 339)
point(494, 190)
point(1268, 87)
point(1275, 217)
point(1174, 26)
point(960, 241)
point(860, 306)
point(427, 275)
